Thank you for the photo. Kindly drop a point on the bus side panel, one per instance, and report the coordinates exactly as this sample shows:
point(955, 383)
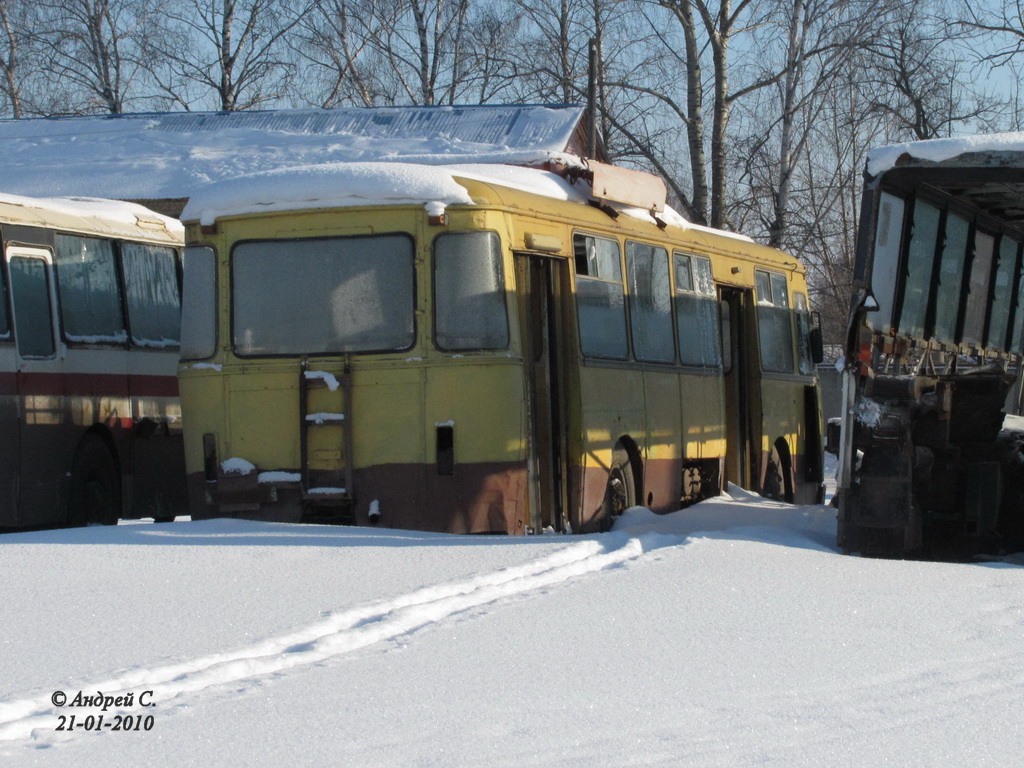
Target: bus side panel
point(202, 390)
point(612, 406)
point(663, 468)
point(782, 407)
point(481, 486)
point(47, 441)
point(703, 426)
point(158, 453)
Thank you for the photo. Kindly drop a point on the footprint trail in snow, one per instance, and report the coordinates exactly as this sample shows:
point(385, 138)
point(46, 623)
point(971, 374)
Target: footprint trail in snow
point(337, 634)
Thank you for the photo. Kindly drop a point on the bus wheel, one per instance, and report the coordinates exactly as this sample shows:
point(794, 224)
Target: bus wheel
point(620, 493)
point(94, 494)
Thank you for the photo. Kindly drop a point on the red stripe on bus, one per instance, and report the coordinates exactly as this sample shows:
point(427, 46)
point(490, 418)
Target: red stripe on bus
point(88, 384)
point(153, 386)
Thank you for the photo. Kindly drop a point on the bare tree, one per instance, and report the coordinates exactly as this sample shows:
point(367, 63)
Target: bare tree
point(231, 49)
point(94, 46)
point(918, 77)
point(488, 70)
point(13, 36)
point(332, 41)
point(1002, 23)
point(808, 47)
point(420, 46)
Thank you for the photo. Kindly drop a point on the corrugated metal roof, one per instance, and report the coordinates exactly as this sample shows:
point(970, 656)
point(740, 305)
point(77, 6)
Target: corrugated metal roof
point(165, 156)
point(513, 126)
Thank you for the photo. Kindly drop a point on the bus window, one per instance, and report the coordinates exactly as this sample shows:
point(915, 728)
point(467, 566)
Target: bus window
point(151, 288)
point(90, 300)
point(696, 312)
point(33, 318)
point(323, 296)
point(469, 292)
point(5, 325)
point(1017, 344)
point(885, 269)
point(774, 324)
point(725, 313)
point(920, 257)
point(650, 307)
point(951, 278)
point(977, 299)
point(1005, 277)
point(803, 323)
point(199, 303)
point(599, 298)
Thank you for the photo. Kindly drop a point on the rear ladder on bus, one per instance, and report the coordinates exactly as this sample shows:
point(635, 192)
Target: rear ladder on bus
point(325, 438)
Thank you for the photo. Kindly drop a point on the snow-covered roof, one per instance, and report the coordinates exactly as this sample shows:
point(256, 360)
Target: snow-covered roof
point(86, 214)
point(336, 185)
point(986, 172)
point(167, 156)
point(882, 159)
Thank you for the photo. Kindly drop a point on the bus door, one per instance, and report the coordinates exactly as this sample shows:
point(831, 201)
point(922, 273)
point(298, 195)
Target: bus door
point(543, 283)
point(742, 401)
point(8, 411)
point(38, 383)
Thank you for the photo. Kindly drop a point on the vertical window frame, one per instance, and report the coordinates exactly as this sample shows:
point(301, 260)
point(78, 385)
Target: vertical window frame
point(638, 326)
point(694, 291)
point(778, 304)
point(626, 356)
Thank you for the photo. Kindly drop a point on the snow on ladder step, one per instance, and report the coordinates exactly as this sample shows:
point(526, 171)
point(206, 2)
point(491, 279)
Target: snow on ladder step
point(323, 417)
point(326, 493)
point(329, 379)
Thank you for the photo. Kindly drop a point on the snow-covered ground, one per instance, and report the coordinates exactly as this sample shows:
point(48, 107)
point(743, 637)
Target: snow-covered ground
point(729, 634)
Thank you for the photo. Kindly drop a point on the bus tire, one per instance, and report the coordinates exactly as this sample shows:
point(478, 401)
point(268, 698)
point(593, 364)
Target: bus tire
point(94, 493)
point(620, 492)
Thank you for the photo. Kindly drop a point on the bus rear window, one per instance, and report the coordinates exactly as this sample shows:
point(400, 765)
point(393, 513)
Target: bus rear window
point(469, 292)
point(154, 302)
point(323, 296)
point(90, 299)
point(199, 303)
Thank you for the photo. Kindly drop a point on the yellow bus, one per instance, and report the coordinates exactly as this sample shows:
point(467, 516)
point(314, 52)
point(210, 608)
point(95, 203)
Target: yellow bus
point(484, 349)
point(89, 321)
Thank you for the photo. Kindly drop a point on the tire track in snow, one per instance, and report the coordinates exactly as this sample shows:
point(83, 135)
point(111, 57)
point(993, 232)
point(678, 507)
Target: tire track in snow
point(338, 634)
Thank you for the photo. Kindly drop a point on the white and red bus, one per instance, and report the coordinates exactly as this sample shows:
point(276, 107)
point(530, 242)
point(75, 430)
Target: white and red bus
point(90, 421)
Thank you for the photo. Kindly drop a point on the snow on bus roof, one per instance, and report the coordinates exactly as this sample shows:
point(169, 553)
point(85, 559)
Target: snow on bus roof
point(113, 211)
point(882, 159)
point(337, 185)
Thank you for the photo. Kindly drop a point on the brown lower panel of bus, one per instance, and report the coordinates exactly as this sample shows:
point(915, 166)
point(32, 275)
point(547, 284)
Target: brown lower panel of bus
point(489, 497)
